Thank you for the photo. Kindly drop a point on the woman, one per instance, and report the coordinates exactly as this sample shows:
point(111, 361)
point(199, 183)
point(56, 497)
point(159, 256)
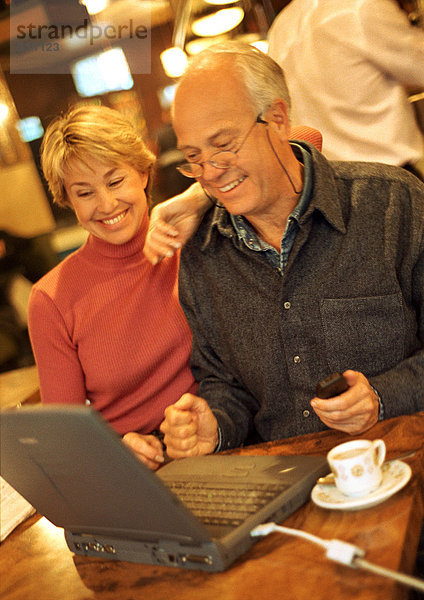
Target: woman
point(105, 325)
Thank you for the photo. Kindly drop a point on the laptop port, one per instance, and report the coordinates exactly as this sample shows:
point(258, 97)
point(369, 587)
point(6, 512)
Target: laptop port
point(203, 560)
point(96, 547)
point(164, 557)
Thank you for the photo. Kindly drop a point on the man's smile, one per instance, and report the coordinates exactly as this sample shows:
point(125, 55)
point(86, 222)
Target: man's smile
point(232, 185)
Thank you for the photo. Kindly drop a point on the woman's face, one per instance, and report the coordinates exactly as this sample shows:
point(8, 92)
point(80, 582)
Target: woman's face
point(109, 200)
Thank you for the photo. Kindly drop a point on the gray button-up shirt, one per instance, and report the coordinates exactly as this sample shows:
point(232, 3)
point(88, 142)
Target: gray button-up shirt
point(246, 232)
point(351, 297)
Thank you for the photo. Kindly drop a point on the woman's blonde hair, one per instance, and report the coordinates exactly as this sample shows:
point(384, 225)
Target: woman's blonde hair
point(91, 132)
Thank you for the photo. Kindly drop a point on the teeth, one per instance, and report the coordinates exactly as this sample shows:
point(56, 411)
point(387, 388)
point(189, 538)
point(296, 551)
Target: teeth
point(115, 219)
point(232, 185)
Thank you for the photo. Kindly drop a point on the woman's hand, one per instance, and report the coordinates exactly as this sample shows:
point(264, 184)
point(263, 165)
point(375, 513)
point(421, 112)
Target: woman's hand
point(173, 222)
point(147, 448)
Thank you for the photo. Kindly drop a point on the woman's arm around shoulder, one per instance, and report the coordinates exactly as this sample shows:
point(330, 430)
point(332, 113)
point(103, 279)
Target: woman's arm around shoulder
point(174, 221)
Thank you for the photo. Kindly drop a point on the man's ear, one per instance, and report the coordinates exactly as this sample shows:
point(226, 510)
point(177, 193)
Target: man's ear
point(277, 117)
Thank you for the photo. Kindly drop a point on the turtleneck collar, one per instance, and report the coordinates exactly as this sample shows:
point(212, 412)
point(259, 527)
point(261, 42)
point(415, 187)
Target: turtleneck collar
point(118, 251)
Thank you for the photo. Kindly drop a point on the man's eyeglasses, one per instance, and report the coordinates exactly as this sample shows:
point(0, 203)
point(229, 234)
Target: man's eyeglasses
point(223, 159)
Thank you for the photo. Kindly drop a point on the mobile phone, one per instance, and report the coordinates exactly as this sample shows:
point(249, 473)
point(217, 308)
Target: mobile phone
point(333, 385)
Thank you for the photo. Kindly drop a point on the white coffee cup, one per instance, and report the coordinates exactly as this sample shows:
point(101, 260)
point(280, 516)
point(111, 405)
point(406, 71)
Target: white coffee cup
point(356, 466)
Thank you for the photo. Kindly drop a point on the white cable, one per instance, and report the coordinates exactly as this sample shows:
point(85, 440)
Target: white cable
point(341, 552)
point(414, 582)
point(267, 528)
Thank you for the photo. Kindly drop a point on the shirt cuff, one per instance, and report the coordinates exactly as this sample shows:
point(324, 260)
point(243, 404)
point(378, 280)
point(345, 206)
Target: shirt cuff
point(381, 405)
point(218, 447)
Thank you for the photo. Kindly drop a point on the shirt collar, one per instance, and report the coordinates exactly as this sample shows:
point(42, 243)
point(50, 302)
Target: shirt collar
point(321, 195)
point(245, 231)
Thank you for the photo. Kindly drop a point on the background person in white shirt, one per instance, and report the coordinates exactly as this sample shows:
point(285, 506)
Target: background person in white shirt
point(348, 65)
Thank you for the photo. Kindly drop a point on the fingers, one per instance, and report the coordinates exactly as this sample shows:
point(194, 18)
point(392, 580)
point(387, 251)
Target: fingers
point(161, 241)
point(182, 410)
point(355, 378)
point(173, 222)
point(147, 448)
point(354, 411)
point(189, 427)
point(180, 428)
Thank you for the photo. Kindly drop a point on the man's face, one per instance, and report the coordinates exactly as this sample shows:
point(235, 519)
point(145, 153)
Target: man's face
point(213, 114)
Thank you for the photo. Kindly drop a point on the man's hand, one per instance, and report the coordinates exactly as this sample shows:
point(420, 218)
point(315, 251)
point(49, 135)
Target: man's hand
point(190, 428)
point(354, 411)
point(173, 222)
point(147, 448)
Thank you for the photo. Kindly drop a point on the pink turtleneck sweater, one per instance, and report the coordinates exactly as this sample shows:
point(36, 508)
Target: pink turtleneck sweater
point(106, 325)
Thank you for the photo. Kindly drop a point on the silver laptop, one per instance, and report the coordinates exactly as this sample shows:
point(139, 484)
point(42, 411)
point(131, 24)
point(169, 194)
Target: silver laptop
point(194, 513)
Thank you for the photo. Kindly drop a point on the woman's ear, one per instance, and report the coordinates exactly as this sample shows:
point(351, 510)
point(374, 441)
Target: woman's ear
point(144, 177)
point(65, 202)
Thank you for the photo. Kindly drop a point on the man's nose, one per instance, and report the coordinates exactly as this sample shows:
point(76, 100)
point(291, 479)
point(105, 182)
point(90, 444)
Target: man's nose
point(211, 173)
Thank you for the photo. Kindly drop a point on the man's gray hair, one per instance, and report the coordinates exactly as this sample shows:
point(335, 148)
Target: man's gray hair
point(263, 77)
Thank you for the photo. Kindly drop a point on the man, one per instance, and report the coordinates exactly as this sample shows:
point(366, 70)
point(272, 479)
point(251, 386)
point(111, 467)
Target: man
point(347, 65)
point(304, 267)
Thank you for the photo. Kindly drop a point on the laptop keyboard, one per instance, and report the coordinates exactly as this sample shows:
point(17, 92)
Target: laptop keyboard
point(213, 504)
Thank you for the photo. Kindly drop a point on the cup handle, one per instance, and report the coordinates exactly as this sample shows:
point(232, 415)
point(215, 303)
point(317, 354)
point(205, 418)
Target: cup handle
point(380, 451)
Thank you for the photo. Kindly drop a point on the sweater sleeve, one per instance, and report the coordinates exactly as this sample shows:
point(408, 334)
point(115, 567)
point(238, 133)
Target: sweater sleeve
point(401, 388)
point(232, 405)
point(60, 373)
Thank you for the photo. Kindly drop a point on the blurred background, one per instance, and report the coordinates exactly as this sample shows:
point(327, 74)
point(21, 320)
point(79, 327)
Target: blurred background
point(43, 75)
point(126, 54)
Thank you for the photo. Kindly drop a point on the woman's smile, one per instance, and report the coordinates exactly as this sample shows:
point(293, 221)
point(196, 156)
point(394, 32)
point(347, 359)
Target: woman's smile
point(109, 200)
point(114, 220)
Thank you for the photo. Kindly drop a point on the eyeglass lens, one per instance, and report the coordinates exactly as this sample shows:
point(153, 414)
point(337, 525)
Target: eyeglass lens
point(219, 160)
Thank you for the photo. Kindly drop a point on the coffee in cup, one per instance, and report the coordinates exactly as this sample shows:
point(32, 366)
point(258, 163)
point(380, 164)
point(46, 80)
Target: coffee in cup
point(356, 466)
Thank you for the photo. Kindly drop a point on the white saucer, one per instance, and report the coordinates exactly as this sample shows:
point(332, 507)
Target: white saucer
point(396, 475)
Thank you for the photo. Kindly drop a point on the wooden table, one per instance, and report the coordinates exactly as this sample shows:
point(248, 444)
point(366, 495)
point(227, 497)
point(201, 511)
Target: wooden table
point(20, 386)
point(35, 563)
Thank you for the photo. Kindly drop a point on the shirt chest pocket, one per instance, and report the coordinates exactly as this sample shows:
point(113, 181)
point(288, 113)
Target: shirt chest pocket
point(365, 334)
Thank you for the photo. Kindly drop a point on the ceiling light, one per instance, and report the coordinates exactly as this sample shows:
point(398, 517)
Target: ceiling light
point(30, 129)
point(99, 74)
point(198, 44)
point(4, 111)
point(220, 2)
point(254, 39)
point(174, 61)
point(261, 45)
point(94, 6)
point(217, 23)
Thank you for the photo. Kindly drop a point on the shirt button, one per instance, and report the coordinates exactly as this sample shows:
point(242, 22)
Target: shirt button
point(306, 413)
point(287, 305)
point(296, 359)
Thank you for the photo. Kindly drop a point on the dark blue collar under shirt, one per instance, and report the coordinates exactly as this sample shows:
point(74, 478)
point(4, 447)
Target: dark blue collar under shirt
point(247, 234)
